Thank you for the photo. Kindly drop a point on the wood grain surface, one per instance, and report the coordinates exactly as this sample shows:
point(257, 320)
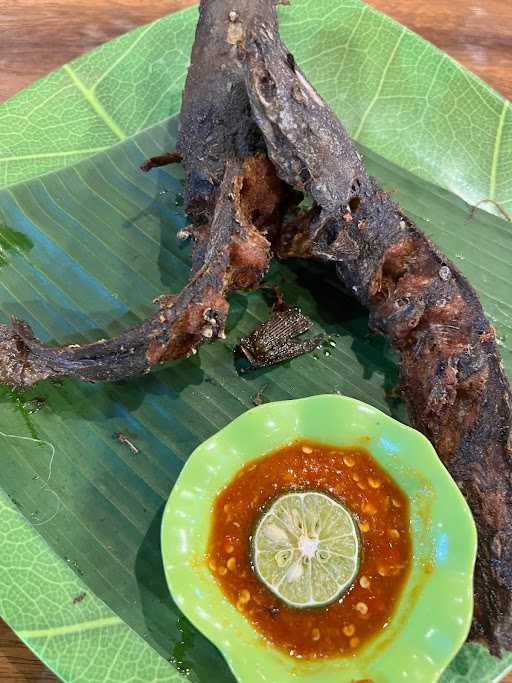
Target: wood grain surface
point(37, 36)
point(17, 663)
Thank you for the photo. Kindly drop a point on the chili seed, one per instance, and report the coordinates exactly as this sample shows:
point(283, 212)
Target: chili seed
point(364, 526)
point(354, 642)
point(396, 502)
point(369, 508)
point(244, 596)
point(349, 630)
point(356, 477)
point(349, 460)
point(382, 571)
point(374, 483)
point(231, 564)
point(315, 634)
point(445, 273)
point(361, 486)
point(223, 571)
point(307, 450)
point(228, 548)
point(362, 608)
point(394, 533)
point(364, 582)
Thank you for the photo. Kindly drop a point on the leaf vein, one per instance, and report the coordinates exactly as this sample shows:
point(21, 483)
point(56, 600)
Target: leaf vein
point(95, 104)
point(380, 85)
point(496, 150)
point(49, 155)
point(122, 56)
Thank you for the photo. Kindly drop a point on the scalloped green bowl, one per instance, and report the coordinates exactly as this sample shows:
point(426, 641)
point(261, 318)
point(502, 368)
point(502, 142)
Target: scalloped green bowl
point(434, 613)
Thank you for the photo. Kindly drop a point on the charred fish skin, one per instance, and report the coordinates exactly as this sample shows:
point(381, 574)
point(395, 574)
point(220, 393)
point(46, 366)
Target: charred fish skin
point(228, 177)
point(276, 339)
point(452, 377)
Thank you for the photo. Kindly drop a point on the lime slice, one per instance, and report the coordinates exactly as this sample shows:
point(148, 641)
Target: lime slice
point(306, 548)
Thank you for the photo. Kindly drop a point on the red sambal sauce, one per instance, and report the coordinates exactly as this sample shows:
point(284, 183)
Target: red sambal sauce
point(379, 507)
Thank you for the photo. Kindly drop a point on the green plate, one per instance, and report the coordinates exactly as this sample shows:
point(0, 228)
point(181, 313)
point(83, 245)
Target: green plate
point(434, 612)
point(87, 241)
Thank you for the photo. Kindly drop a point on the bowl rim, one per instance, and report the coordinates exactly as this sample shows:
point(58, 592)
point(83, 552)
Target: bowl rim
point(233, 630)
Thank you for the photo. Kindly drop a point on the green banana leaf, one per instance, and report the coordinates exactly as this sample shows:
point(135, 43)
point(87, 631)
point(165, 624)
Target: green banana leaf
point(87, 241)
point(396, 93)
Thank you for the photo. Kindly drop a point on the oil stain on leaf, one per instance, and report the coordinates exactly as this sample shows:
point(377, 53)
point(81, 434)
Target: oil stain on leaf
point(12, 242)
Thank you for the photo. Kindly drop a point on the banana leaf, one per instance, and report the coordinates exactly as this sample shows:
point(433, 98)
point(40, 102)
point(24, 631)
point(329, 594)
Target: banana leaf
point(87, 241)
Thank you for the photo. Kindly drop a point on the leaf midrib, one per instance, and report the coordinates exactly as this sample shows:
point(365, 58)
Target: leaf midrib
point(71, 628)
point(496, 151)
point(93, 101)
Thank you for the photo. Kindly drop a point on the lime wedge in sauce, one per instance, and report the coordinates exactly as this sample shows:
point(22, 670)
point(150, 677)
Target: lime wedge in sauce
point(306, 549)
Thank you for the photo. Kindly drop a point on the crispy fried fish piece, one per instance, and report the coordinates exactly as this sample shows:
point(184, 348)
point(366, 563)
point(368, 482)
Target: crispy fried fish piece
point(276, 340)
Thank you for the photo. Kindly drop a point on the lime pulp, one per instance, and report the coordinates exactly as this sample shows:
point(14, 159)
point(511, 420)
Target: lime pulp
point(306, 549)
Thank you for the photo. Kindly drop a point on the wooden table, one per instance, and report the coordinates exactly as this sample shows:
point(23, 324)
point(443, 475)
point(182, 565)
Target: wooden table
point(17, 663)
point(37, 36)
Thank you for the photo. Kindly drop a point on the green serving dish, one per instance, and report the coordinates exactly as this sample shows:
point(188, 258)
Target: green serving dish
point(435, 608)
